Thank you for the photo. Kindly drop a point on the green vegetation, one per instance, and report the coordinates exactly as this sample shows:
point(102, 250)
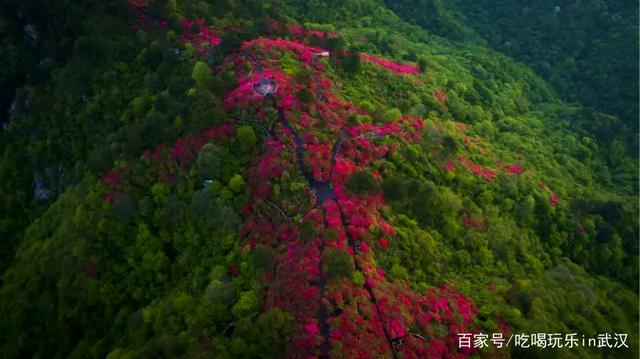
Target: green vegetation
point(587, 49)
point(201, 74)
point(361, 182)
point(132, 196)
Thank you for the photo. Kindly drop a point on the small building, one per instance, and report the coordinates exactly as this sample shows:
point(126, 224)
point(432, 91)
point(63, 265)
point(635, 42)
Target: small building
point(41, 191)
point(265, 87)
point(207, 183)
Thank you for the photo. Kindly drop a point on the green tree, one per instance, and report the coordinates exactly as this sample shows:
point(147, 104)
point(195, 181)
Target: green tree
point(337, 263)
point(422, 64)
point(357, 278)
point(208, 163)
point(351, 63)
point(247, 305)
point(124, 208)
point(246, 137)
point(391, 115)
point(362, 182)
point(304, 96)
point(449, 146)
point(236, 184)
point(304, 76)
point(395, 189)
point(202, 74)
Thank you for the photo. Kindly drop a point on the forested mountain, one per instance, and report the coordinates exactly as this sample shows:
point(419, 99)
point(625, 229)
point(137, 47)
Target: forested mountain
point(289, 178)
point(586, 49)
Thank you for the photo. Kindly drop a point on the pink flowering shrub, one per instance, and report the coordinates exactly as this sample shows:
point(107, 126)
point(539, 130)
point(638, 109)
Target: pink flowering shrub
point(165, 158)
point(449, 166)
point(553, 197)
point(484, 172)
point(515, 169)
point(198, 34)
point(299, 31)
point(462, 127)
point(470, 222)
point(440, 96)
point(402, 69)
point(361, 320)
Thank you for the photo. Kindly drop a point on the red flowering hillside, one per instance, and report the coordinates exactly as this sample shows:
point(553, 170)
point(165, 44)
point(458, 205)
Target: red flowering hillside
point(361, 315)
point(393, 66)
point(315, 142)
point(246, 179)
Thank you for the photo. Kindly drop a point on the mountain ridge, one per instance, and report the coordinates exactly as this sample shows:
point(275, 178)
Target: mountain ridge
point(200, 246)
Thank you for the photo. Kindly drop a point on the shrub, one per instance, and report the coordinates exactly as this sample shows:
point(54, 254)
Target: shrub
point(208, 163)
point(392, 115)
point(357, 278)
point(337, 263)
point(201, 74)
point(362, 182)
point(246, 137)
point(236, 183)
point(394, 189)
point(304, 96)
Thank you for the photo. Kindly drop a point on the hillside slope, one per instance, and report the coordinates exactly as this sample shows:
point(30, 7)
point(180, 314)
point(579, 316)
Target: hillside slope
point(587, 49)
point(227, 180)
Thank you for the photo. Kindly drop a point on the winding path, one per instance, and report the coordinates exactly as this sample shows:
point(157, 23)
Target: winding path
point(323, 190)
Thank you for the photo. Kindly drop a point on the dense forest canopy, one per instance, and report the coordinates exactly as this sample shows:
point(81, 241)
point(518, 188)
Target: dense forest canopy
point(586, 49)
point(288, 178)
